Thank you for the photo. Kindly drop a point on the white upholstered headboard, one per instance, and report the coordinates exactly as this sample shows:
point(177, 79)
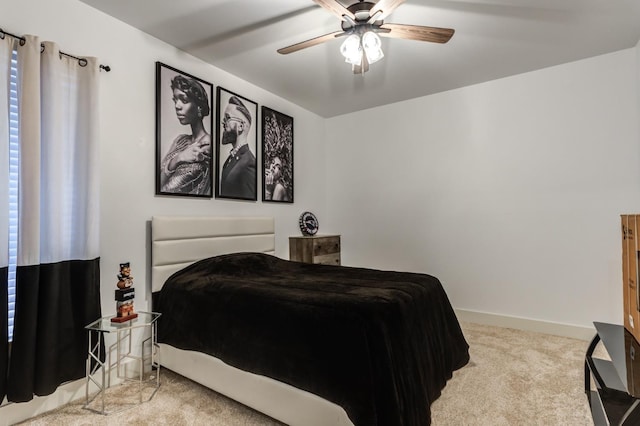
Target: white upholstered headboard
point(178, 241)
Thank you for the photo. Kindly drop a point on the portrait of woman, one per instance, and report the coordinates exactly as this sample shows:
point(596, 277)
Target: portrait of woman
point(184, 134)
point(277, 156)
point(274, 189)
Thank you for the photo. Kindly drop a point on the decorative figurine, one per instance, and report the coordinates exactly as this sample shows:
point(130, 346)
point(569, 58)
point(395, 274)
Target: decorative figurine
point(125, 280)
point(124, 295)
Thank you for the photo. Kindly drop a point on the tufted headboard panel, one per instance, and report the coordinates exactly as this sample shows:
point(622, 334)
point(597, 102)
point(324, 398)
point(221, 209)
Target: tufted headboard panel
point(178, 241)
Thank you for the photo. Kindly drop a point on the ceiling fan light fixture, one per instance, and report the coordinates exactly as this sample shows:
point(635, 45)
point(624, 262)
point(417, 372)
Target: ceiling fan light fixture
point(372, 46)
point(351, 49)
point(361, 22)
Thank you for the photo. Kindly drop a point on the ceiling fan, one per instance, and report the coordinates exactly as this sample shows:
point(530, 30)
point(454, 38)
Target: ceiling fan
point(361, 23)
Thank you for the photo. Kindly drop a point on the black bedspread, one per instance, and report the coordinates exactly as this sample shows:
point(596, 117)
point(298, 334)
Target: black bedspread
point(380, 344)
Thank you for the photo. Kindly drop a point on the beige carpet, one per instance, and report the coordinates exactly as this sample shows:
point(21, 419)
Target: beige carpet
point(514, 378)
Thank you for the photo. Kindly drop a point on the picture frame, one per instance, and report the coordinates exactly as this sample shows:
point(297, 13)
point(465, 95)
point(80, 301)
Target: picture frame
point(236, 146)
point(184, 138)
point(277, 156)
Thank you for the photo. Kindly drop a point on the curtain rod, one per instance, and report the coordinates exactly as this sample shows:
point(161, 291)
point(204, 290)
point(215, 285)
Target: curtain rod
point(82, 61)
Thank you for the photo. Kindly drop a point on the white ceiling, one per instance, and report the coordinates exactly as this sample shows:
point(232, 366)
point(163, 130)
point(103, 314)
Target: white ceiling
point(493, 39)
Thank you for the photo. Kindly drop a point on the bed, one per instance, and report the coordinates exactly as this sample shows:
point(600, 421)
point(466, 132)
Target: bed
point(304, 344)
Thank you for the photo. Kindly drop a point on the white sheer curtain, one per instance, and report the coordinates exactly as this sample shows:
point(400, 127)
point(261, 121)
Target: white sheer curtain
point(58, 157)
point(57, 276)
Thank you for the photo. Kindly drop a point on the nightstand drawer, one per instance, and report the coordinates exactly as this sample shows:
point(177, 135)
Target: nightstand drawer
point(327, 259)
point(326, 245)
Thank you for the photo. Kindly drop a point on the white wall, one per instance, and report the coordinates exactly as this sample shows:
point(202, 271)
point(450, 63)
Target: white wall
point(128, 134)
point(509, 191)
point(638, 77)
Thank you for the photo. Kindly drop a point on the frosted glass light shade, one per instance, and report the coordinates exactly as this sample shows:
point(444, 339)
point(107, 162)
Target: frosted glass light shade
point(372, 46)
point(351, 49)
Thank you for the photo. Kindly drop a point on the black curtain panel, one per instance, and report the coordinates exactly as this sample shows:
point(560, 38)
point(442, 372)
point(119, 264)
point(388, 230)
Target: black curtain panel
point(54, 302)
point(4, 330)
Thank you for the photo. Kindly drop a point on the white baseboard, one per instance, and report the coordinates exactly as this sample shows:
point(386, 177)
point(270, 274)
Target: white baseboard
point(558, 329)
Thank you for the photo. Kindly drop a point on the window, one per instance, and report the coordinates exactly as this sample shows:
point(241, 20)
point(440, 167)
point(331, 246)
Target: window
point(13, 188)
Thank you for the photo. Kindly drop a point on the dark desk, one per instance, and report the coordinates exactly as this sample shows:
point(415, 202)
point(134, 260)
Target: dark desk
point(616, 394)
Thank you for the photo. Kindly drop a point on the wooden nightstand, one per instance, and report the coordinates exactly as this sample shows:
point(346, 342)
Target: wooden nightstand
point(324, 249)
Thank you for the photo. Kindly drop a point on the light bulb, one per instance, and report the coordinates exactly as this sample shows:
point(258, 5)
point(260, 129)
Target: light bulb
point(351, 49)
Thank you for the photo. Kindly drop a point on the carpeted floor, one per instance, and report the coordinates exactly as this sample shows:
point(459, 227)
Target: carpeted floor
point(514, 378)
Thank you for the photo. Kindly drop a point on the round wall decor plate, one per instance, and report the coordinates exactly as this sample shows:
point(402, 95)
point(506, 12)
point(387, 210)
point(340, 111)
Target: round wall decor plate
point(308, 224)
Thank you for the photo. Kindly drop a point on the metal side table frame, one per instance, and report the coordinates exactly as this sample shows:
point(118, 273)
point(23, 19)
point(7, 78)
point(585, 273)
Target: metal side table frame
point(123, 350)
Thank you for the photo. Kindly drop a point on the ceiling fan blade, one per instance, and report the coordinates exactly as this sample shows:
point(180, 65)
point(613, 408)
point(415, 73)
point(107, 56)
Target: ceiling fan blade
point(417, 32)
point(384, 8)
point(310, 42)
point(337, 9)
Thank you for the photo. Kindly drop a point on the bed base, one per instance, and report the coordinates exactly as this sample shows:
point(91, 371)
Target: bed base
point(278, 400)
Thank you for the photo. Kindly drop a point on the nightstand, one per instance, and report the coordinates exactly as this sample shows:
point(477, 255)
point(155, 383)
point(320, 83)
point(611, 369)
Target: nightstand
point(130, 339)
point(322, 249)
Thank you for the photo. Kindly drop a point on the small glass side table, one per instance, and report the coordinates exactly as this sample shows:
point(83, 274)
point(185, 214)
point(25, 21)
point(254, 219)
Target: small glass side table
point(120, 354)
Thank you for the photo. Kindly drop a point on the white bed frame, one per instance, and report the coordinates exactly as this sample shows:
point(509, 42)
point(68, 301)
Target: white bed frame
point(178, 241)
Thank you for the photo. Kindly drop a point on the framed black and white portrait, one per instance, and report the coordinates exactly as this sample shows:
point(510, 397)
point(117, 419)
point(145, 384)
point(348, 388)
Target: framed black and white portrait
point(236, 146)
point(184, 141)
point(277, 156)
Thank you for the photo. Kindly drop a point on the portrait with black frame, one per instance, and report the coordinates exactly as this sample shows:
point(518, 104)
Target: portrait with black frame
point(277, 156)
point(184, 141)
point(236, 146)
